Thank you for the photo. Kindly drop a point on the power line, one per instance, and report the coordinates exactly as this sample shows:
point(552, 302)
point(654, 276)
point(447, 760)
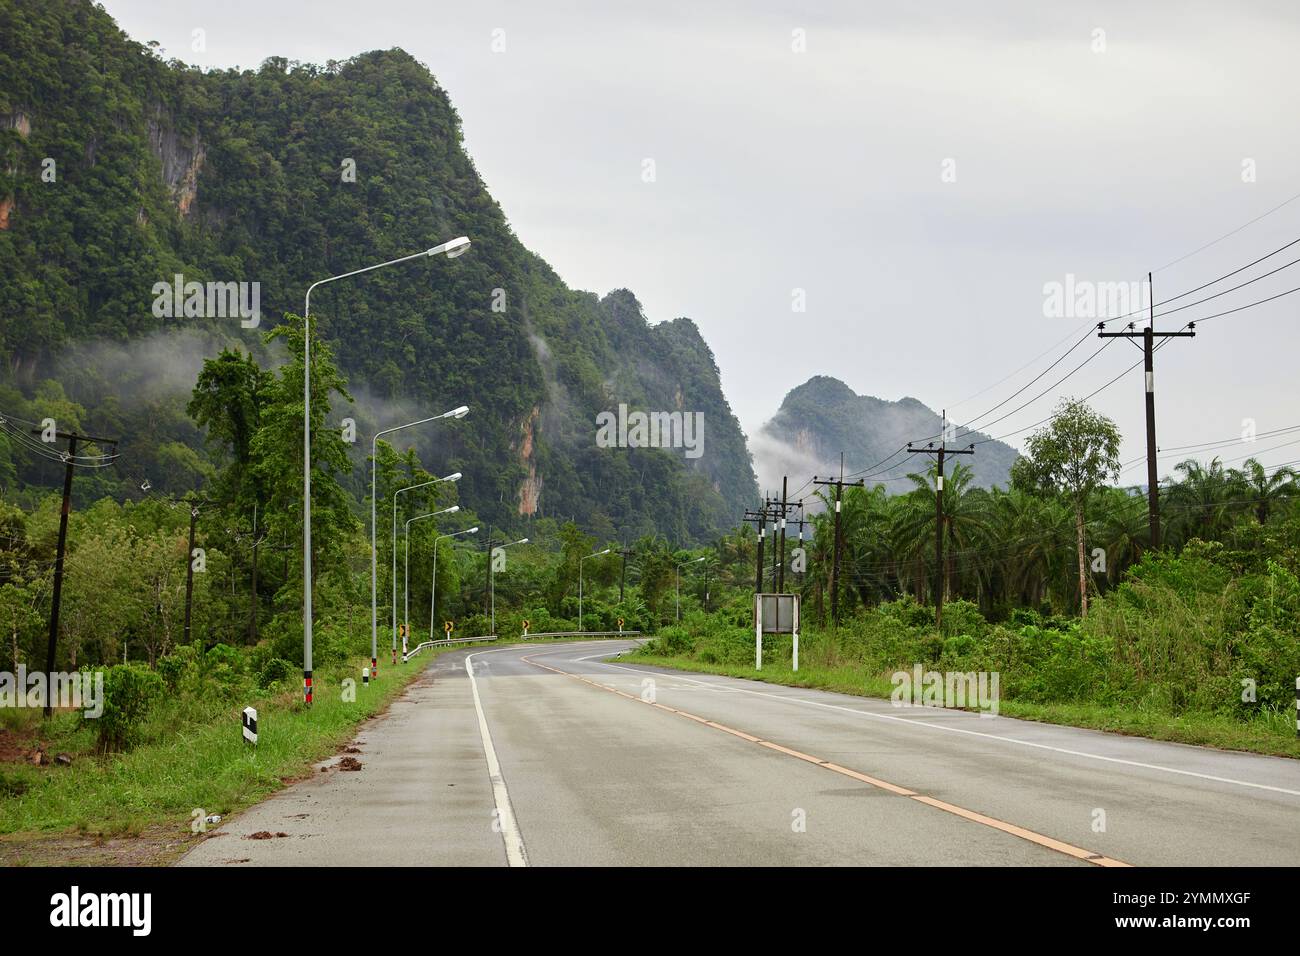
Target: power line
point(1227, 235)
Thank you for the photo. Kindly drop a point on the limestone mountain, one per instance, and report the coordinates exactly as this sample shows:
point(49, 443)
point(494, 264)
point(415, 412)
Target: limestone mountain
point(823, 417)
point(120, 170)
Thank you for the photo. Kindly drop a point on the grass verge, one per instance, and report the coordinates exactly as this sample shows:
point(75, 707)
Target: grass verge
point(1272, 733)
point(152, 791)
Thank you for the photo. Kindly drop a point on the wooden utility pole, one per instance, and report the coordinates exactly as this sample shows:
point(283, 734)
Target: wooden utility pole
point(69, 462)
point(1148, 336)
point(839, 484)
point(942, 451)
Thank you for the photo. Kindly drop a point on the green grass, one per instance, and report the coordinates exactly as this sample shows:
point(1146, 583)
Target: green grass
point(1273, 732)
point(201, 763)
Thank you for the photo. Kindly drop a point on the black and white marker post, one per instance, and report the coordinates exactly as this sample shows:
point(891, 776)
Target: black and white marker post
point(250, 725)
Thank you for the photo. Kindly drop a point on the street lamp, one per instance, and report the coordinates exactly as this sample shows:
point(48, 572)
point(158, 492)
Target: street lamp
point(679, 581)
point(452, 249)
point(580, 560)
point(492, 578)
point(459, 412)
point(454, 476)
point(433, 591)
point(406, 550)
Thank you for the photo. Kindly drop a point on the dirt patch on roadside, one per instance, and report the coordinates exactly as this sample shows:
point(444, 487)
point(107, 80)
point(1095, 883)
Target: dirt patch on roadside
point(14, 748)
point(155, 846)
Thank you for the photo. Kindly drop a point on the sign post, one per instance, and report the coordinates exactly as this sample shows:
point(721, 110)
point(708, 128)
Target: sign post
point(775, 614)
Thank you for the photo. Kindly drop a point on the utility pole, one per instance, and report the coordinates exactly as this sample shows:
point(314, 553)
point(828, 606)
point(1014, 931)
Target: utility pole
point(622, 580)
point(189, 571)
point(252, 615)
point(942, 451)
point(760, 519)
point(70, 462)
point(487, 581)
point(1148, 336)
point(839, 484)
point(780, 584)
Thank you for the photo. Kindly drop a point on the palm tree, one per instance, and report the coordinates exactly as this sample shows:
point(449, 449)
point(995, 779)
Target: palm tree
point(963, 512)
point(1202, 503)
point(1262, 490)
point(1122, 527)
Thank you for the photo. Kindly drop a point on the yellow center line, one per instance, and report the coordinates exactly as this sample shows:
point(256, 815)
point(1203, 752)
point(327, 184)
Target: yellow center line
point(1058, 846)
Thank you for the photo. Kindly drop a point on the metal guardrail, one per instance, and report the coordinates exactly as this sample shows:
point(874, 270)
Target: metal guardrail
point(582, 634)
point(445, 642)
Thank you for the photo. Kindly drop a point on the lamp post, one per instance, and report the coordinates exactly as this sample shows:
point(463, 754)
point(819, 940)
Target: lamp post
point(580, 560)
point(459, 412)
point(451, 249)
point(433, 591)
point(492, 578)
point(455, 476)
point(406, 548)
point(679, 581)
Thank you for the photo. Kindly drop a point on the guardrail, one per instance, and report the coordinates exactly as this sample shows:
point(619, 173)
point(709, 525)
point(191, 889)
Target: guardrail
point(445, 642)
point(582, 634)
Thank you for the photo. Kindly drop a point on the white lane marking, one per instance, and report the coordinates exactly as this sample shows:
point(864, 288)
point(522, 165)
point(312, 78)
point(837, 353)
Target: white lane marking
point(516, 855)
point(972, 733)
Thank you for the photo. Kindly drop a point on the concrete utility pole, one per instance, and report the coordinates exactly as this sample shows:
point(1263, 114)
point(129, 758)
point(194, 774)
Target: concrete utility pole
point(942, 451)
point(761, 519)
point(839, 484)
point(1148, 336)
point(189, 571)
point(622, 580)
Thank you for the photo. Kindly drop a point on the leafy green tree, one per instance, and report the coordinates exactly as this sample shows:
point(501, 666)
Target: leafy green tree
point(1074, 454)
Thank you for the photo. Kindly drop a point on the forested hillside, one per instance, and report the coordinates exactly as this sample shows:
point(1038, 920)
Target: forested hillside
point(121, 170)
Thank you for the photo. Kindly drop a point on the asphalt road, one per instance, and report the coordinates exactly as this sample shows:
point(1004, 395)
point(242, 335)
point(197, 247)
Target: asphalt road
point(549, 755)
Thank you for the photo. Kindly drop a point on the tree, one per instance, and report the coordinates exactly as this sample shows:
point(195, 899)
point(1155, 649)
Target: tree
point(1075, 454)
point(1263, 490)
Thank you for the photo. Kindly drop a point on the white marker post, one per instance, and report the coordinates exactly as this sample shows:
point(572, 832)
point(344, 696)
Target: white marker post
point(250, 725)
point(365, 675)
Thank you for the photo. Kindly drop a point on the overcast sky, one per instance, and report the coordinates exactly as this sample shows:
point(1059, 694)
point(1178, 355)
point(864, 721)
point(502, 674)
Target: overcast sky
point(1101, 154)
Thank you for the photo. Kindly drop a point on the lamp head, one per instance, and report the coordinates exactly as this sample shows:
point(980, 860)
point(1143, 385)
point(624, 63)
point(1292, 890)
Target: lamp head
point(460, 412)
point(522, 541)
point(450, 511)
point(454, 248)
point(472, 531)
point(454, 476)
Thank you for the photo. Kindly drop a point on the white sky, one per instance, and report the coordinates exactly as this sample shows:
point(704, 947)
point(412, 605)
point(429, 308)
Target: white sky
point(821, 171)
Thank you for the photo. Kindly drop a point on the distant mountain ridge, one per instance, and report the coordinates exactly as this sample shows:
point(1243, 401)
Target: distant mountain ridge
point(823, 417)
point(284, 175)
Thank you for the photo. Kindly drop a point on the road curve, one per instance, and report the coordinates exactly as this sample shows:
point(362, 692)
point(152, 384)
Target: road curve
point(561, 754)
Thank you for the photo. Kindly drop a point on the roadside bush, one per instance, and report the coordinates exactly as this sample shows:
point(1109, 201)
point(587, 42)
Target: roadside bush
point(275, 670)
point(175, 667)
point(130, 693)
